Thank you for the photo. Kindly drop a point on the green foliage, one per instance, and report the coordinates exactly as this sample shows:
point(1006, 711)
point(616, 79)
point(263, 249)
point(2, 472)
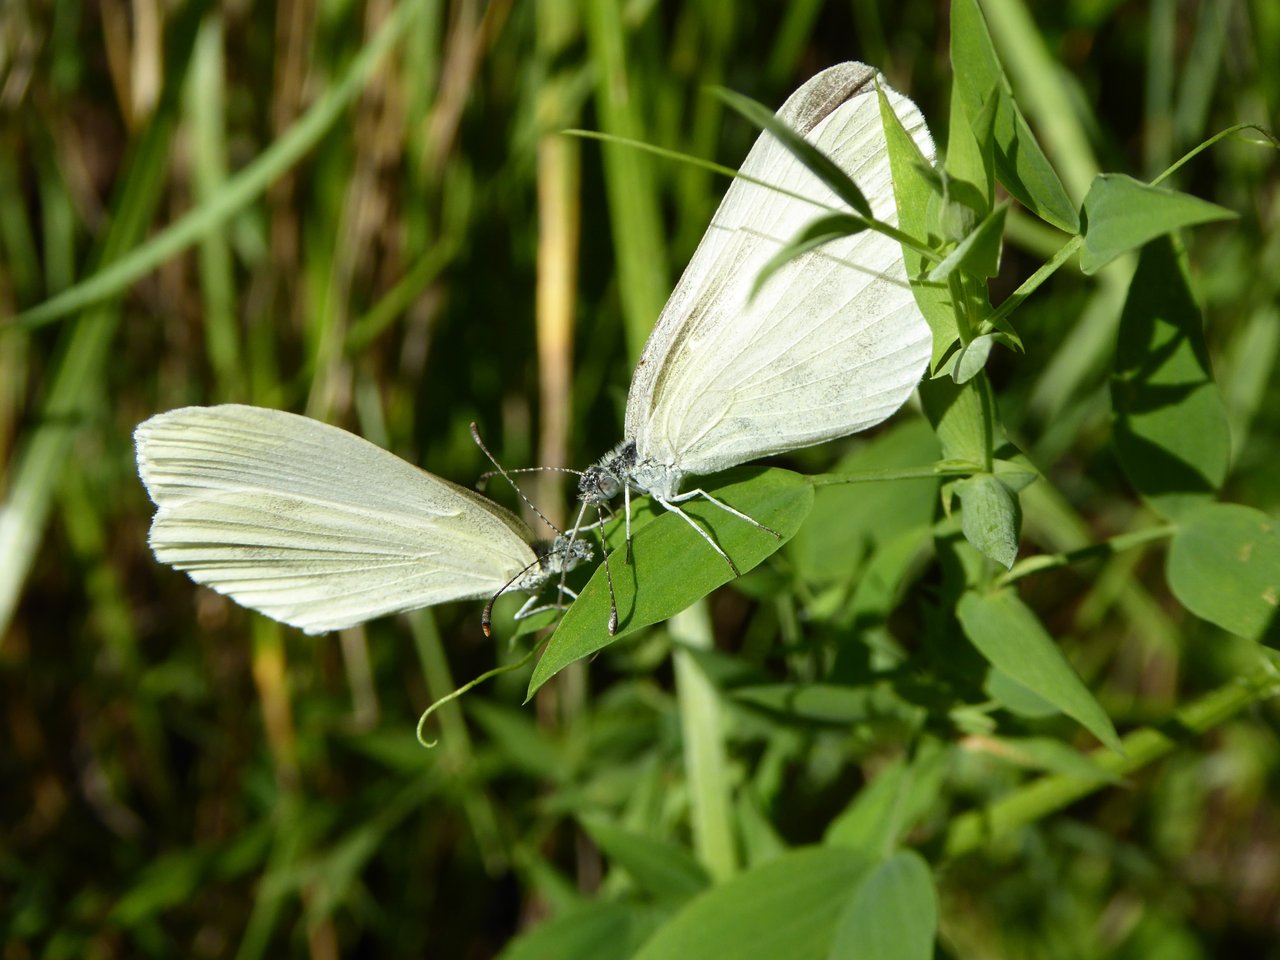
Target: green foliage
point(872, 743)
point(1224, 566)
point(668, 560)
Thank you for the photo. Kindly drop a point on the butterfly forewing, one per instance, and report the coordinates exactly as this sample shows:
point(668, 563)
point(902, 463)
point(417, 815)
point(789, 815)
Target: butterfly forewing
point(313, 526)
point(831, 344)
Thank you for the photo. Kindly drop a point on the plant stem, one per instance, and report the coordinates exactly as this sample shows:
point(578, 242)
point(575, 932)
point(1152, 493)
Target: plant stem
point(1032, 283)
point(1107, 548)
point(931, 472)
point(972, 831)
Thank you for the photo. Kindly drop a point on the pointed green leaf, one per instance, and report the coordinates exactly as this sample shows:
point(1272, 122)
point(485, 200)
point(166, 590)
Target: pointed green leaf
point(1020, 163)
point(971, 358)
point(787, 907)
point(956, 413)
point(913, 190)
point(596, 930)
point(978, 254)
point(971, 145)
point(894, 914)
point(1121, 214)
point(1224, 566)
point(820, 231)
point(1010, 636)
point(886, 809)
point(672, 566)
point(1171, 431)
point(660, 868)
point(848, 520)
point(991, 517)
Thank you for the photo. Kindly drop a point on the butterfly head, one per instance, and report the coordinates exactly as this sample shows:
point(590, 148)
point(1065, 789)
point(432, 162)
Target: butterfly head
point(603, 481)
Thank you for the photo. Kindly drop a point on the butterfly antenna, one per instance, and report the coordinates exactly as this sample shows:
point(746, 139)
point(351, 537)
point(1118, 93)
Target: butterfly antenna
point(486, 618)
point(489, 474)
point(475, 435)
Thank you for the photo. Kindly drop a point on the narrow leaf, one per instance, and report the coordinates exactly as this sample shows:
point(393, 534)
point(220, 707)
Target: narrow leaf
point(970, 148)
point(660, 868)
point(914, 188)
point(1020, 163)
point(1121, 214)
point(1008, 634)
point(1224, 566)
point(818, 163)
point(978, 254)
point(820, 231)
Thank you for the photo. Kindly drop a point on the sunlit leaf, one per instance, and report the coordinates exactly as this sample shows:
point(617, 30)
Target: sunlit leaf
point(672, 566)
point(1170, 428)
point(1121, 214)
point(1010, 636)
point(1224, 566)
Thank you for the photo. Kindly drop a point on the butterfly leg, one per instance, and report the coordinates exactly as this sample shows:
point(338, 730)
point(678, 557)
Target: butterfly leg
point(528, 609)
point(672, 506)
point(626, 505)
point(690, 494)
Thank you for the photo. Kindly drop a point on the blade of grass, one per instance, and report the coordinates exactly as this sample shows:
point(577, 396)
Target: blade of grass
point(70, 397)
point(237, 193)
point(629, 179)
point(206, 114)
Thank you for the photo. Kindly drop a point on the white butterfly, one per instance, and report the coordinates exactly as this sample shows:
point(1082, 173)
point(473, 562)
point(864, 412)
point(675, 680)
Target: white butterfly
point(318, 528)
point(831, 344)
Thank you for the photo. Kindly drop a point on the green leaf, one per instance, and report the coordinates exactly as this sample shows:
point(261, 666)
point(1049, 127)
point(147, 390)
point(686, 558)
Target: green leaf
point(957, 414)
point(978, 254)
point(887, 808)
point(1020, 163)
point(880, 583)
point(787, 907)
point(660, 868)
point(597, 930)
point(848, 521)
point(1121, 214)
point(817, 162)
point(1016, 698)
point(1011, 638)
point(894, 914)
point(971, 143)
point(970, 359)
point(991, 517)
point(672, 566)
point(820, 231)
point(1170, 427)
point(1224, 566)
point(913, 190)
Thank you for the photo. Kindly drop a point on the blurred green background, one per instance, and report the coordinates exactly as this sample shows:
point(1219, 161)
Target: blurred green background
point(364, 212)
